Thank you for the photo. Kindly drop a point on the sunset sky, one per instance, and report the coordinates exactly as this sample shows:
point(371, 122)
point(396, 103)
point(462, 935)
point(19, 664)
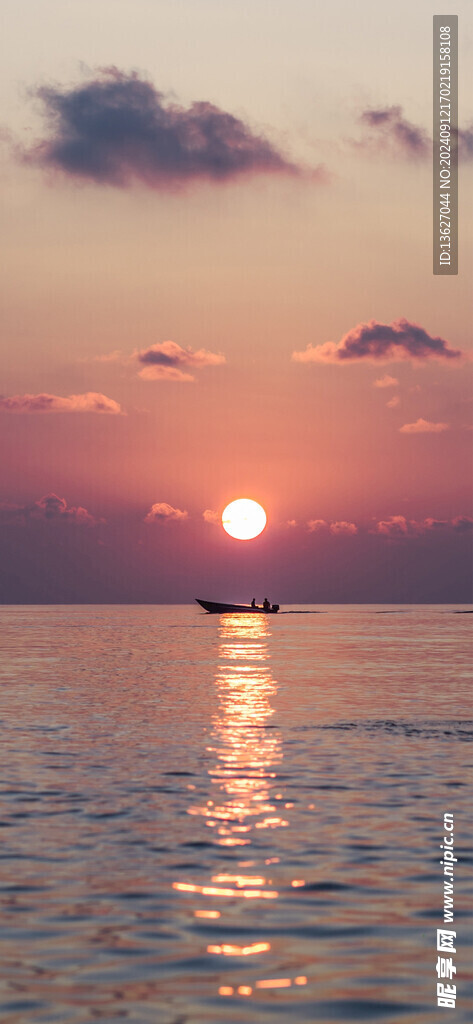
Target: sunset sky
point(217, 221)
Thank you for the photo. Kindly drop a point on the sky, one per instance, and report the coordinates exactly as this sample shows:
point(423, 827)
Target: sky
point(218, 284)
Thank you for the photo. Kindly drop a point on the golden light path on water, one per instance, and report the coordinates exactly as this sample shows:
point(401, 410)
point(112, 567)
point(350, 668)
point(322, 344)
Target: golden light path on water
point(247, 750)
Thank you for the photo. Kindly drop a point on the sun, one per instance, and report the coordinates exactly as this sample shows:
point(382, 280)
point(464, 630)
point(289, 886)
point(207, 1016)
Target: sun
point(244, 519)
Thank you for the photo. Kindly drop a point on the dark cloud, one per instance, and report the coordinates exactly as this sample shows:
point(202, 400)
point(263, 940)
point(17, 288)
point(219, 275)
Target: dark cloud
point(91, 401)
point(118, 128)
point(381, 343)
point(169, 361)
point(50, 508)
point(391, 126)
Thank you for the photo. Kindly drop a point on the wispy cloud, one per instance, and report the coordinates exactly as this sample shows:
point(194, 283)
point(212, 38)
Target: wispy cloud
point(390, 129)
point(381, 343)
point(161, 512)
point(109, 357)
point(424, 427)
point(169, 361)
point(465, 141)
point(50, 508)
point(386, 382)
point(91, 401)
point(118, 128)
point(393, 402)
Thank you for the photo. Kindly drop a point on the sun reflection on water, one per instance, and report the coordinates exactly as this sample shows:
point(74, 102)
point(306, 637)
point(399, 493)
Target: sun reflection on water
point(247, 751)
point(246, 746)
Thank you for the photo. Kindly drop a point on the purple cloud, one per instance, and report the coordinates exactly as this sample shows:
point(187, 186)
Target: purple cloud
point(381, 343)
point(117, 128)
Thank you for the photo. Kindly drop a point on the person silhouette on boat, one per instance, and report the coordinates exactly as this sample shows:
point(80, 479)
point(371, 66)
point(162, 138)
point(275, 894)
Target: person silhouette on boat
point(253, 603)
point(266, 605)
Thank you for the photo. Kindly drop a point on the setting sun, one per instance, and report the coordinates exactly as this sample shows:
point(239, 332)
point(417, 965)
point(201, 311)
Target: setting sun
point(244, 519)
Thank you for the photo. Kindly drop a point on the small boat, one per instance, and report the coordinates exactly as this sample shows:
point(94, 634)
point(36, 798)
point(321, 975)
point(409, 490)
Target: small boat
point(216, 608)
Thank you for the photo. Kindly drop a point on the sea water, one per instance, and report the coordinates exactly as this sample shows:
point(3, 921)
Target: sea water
point(233, 818)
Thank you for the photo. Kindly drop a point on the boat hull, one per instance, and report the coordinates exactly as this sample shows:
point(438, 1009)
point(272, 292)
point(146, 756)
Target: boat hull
point(217, 608)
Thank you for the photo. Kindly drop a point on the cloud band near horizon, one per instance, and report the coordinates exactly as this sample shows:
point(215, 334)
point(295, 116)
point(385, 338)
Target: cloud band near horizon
point(52, 508)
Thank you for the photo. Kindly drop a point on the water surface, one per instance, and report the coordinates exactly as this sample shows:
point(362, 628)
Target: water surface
point(231, 818)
